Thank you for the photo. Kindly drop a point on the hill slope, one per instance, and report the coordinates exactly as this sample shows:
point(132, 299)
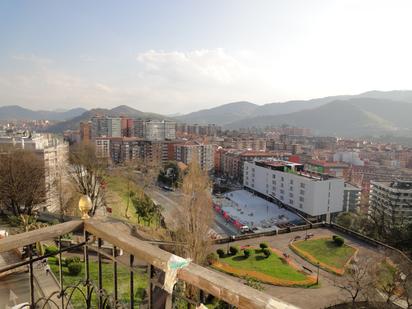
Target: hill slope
point(15, 112)
point(220, 115)
point(352, 117)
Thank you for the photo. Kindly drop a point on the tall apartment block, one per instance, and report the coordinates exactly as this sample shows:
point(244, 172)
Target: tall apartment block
point(392, 201)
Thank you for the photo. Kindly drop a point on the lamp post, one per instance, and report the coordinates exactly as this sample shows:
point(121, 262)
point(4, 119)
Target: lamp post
point(85, 204)
point(317, 276)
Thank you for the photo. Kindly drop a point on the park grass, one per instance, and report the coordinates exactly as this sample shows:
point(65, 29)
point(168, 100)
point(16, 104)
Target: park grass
point(324, 251)
point(123, 279)
point(118, 196)
point(273, 270)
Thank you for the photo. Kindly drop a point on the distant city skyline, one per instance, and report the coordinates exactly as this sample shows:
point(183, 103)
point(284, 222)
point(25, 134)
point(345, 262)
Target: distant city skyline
point(182, 56)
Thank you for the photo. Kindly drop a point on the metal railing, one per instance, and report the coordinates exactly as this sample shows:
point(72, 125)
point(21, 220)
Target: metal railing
point(92, 293)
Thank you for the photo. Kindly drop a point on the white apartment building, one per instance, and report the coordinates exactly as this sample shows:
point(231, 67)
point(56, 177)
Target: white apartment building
point(393, 200)
point(315, 195)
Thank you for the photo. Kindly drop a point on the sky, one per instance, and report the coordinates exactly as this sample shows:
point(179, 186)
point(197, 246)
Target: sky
point(180, 56)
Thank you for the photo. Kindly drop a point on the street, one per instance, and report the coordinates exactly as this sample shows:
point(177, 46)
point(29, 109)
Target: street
point(170, 203)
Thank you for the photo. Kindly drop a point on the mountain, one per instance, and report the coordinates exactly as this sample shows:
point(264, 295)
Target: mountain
point(15, 112)
point(356, 116)
point(227, 113)
point(220, 115)
point(122, 110)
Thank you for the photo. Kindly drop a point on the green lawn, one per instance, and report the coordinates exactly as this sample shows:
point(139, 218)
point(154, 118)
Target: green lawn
point(326, 251)
point(123, 275)
point(272, 266)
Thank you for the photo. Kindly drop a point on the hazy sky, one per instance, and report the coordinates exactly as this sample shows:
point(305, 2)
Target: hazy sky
point(179, 56)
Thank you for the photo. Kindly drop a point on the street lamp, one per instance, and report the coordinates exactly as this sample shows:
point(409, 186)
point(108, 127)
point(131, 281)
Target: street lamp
point(317, 276)
point(85, 204)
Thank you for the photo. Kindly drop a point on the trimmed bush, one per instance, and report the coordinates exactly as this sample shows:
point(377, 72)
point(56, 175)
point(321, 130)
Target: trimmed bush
point(220, 253)
point(74, 269)
point(74, 259)
point(267, 252)
point(339, 241)
point(263, 245)
point(247, 252)
point(51, 249)
point(234, 250)
point(212, 258)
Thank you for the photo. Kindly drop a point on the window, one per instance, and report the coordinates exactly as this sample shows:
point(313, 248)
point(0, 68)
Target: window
point(282, 178)
point(281, 184)
point(273, 182)
point(290, 188)
point(273, 176)
point(291, 181)
point(302, 192)
point(302, 185)
point(300, 206)
point(281, 197)
point(301, 199)
point(291, 202)
point(281, 191)
point(290, 194)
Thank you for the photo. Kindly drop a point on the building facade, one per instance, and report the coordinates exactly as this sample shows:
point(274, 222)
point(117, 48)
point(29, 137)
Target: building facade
point(392, 201)
point(312, 194)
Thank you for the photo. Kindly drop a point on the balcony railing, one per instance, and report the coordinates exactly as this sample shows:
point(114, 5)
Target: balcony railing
point(97, 235)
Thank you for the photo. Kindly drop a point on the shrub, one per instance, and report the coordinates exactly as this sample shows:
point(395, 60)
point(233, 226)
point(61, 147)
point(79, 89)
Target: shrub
point(212, 258)
point(233, 250)
point(247, 252)
point(220, 253)
point(266, 252)
point(339, 241)
point(74, 259)
point(74, 269)
point(252, 282)
point(263, 245)
point(334, 237)
point(51, 249)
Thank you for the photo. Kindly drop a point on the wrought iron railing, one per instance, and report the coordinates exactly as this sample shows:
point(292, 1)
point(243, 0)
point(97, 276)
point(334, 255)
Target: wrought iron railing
point(91, 292)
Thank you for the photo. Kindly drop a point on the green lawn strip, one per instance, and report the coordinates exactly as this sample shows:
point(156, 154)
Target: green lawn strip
point(272, 266)
point(123, 279)
point(326, 251)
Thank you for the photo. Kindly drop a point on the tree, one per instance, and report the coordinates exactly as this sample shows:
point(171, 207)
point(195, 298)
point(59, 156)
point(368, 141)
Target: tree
point(146, 209)
point(22, 181)
point(358, 278)
point(64, 191)
point(87, 172)
point(195, 215)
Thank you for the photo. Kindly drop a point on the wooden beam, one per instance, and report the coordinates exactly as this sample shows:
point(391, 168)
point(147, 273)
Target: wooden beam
point(213, 282)
point(46, 233)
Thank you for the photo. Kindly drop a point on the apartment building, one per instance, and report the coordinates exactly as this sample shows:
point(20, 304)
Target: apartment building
point(102, 147)
point(336, 169)
point(233, 161)
point(312, 194)
point(155, 130)
point(351, 197)
point(52, 151)
point(392, 200)
point(203, 152)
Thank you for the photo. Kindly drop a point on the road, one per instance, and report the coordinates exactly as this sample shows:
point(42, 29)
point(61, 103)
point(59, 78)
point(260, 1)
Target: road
point(170, 202)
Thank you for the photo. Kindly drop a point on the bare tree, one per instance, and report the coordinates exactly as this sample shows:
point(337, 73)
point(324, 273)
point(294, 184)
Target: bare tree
point(22, 181)
point(358, 279)
point(398, 279)
point(64, 190)
point(87, 172)
point(194, 216)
